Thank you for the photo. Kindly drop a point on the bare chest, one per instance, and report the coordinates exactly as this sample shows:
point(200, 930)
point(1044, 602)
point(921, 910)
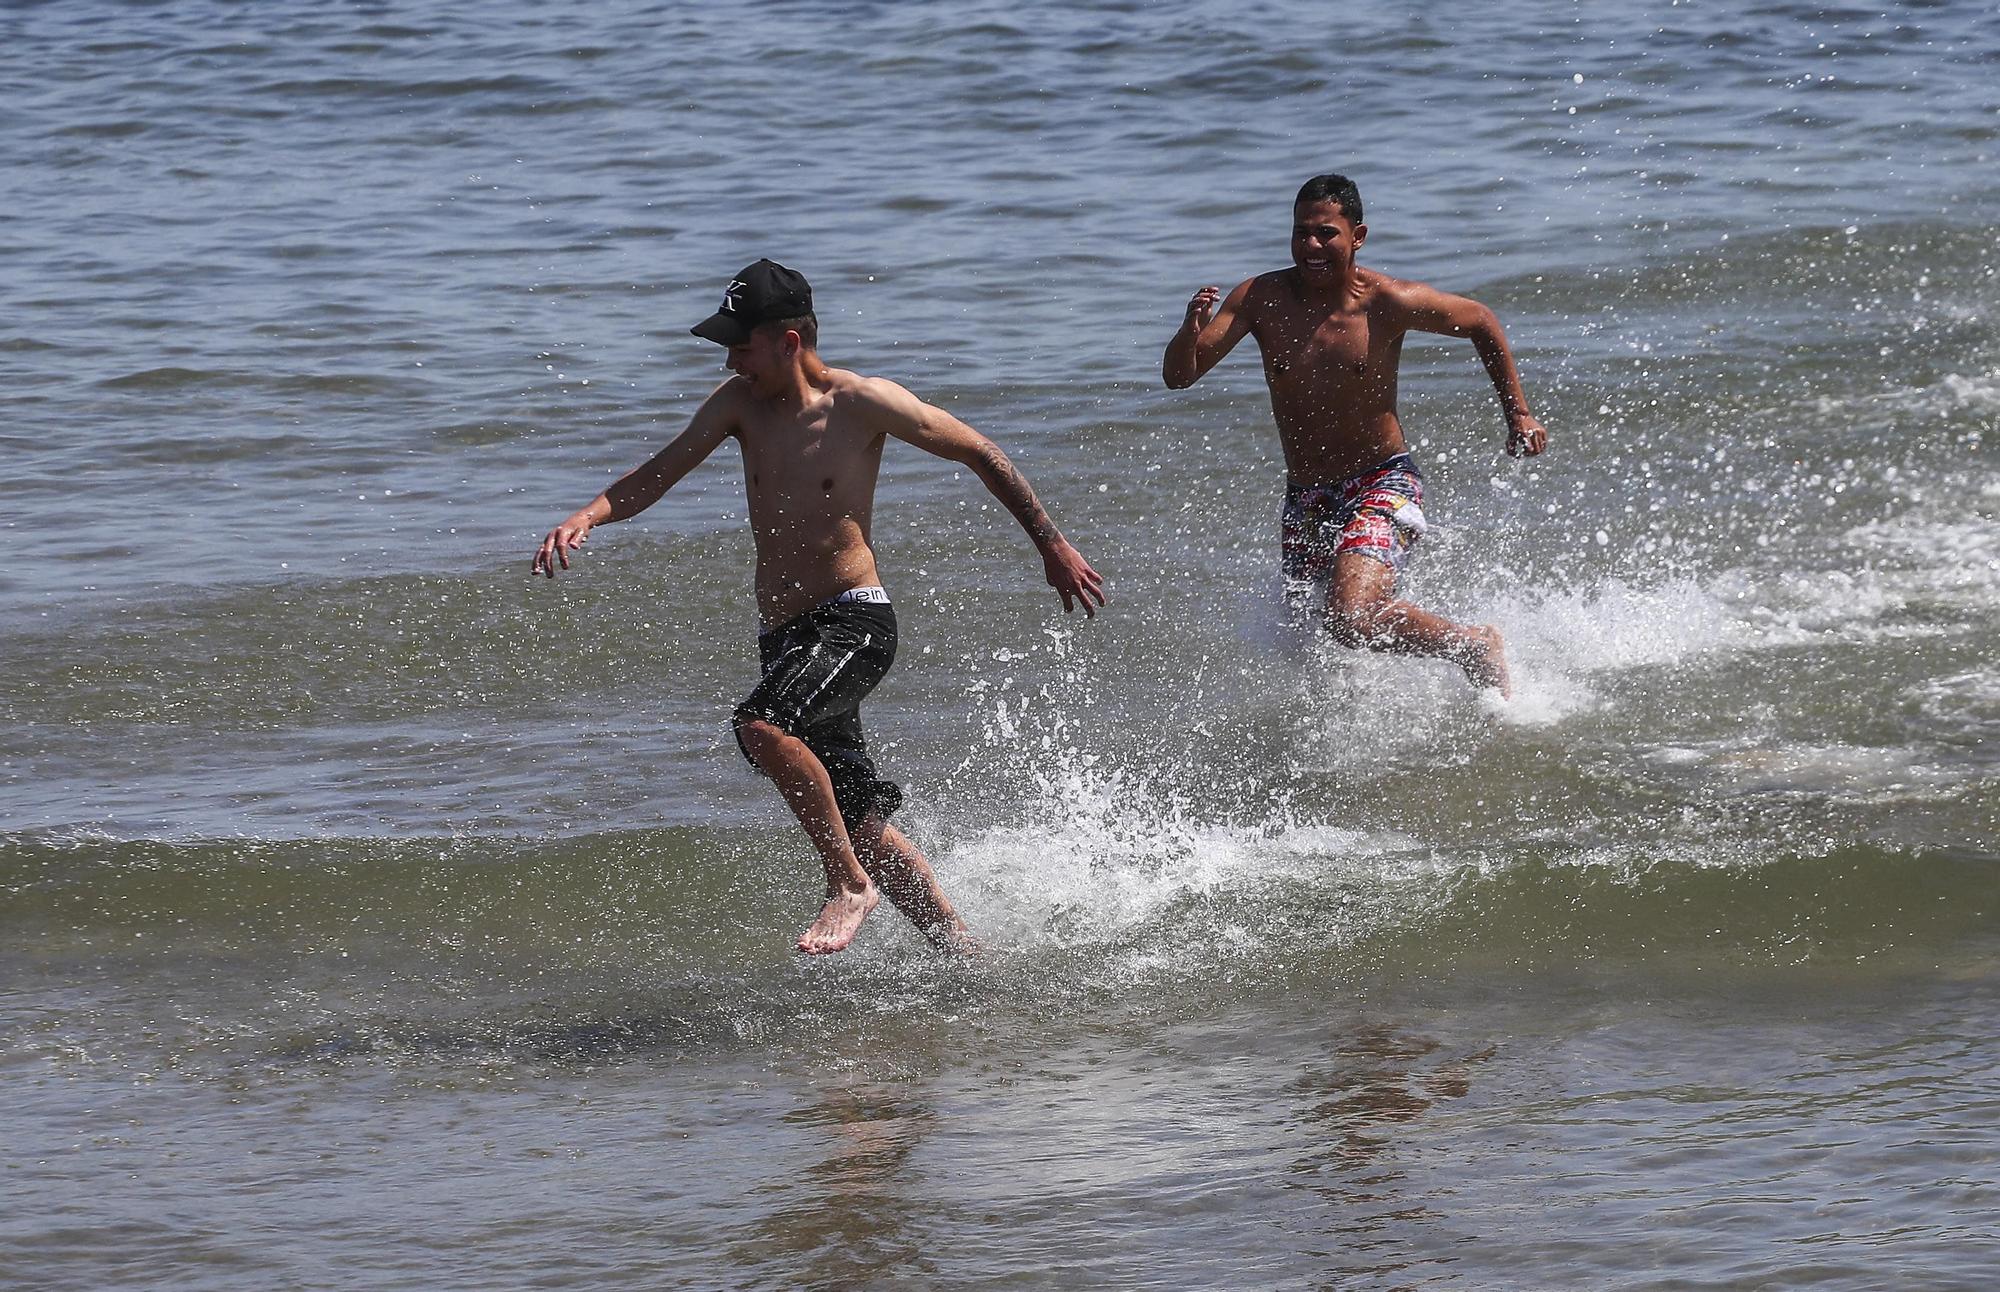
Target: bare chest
point(1336, 350)
point(809, 465)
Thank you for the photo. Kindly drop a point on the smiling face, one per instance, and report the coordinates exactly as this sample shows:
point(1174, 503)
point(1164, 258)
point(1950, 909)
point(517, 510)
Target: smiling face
point(1324, 240)
point(764, 357)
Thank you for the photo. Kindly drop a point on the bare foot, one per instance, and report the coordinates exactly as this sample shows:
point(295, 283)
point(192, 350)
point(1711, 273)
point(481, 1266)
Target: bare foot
point(953, 939)
point(1485, 662)
point(839, 920)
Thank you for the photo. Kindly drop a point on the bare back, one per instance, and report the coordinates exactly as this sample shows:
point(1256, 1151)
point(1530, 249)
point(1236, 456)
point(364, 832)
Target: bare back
point(1331, 366)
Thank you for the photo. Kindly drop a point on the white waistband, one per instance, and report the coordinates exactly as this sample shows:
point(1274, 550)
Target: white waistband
point(874, 594)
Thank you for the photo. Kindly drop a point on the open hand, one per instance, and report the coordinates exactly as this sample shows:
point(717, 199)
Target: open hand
point(562, 540)
point(1071, 575)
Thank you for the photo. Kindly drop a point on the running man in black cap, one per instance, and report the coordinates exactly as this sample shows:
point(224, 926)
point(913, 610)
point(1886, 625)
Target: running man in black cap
point(812, 438)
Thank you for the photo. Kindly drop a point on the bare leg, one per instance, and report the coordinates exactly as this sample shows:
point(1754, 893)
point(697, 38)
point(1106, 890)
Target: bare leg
point(899, 868)
point(1362, 610)
point(808, 790)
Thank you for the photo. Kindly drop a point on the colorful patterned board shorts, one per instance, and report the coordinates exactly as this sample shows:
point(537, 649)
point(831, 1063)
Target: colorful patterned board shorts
point(817, 670)
point(1377, 512)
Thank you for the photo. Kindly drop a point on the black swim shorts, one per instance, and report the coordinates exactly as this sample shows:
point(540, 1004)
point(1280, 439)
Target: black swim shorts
point(817, 670)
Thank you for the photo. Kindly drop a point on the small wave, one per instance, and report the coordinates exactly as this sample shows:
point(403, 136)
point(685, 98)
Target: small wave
point(1979, 393)
point(1559, 640)
point(1108, 852)
point(1960, 698)
point(532, 88)
point(1115, 901)
point(1827, 773)
point(1945, 555)
point(169, 379)
point(917, 204)
point(104, 130)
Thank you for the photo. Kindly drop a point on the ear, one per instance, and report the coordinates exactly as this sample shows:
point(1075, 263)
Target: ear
point(793, 343)
point(1360, 234)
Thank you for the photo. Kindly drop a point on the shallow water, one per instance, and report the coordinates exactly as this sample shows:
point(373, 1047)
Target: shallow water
point(373, 915)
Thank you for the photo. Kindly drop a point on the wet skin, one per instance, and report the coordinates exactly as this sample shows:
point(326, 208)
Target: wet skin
point(1331, 336)
point(812, 438)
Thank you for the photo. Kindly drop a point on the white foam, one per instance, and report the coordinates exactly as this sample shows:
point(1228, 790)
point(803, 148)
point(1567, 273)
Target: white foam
point(1951, 395)
point(1096, 856)
point(1839, 771)
point(1960, 700)
point(1563, 643)
point(1979, 392)
point(1631, 859)
point(1559, 640)
point(1106, 853)
point(1357, 708)
point(1564, 646)
point(1953, 557)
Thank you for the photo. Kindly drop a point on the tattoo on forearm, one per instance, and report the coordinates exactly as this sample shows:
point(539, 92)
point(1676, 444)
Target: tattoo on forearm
point(1010, 487)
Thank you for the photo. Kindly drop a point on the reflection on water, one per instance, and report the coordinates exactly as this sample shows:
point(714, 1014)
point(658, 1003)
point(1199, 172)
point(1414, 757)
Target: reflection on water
point(1357, 1103)
point(1373, 1081)
point(839, 1221)
point(341, 866)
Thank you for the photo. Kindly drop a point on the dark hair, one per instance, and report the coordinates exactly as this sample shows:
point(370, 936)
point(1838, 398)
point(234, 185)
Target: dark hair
point(806, 325)
point(1336, 188)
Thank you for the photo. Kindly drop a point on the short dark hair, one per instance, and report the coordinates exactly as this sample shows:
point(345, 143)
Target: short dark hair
point(1335, 188)
point(806, 325)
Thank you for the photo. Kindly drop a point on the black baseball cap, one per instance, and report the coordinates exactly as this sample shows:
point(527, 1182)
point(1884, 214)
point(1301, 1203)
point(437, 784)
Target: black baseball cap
point(761, 292)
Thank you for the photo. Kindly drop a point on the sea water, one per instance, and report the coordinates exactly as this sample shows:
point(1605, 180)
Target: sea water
point(374, 915)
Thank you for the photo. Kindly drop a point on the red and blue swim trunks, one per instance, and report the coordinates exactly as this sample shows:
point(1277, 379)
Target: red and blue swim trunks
point(1377, 513)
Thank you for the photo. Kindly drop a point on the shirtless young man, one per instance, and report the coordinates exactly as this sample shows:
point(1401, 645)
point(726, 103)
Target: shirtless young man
point(812, 438)
point(1332, 336)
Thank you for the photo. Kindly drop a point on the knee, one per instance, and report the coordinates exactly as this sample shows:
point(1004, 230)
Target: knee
point(758, 738)
point(1354, 622)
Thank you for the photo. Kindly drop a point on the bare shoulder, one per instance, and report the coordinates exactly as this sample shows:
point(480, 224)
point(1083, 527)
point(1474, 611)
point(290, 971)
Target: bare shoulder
point(1404, 303)
point(875, 405)
point(1385, 289)
point(726, 406)
point(1424, 308)
point(862, 386)
point(1267, 288)
point(1253, 302)
point(876, 395)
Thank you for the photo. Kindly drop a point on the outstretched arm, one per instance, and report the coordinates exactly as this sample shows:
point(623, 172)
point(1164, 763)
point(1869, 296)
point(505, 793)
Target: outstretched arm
point(1430, 310)
point(1206, 335)
point(933, 430)
point(642, 486)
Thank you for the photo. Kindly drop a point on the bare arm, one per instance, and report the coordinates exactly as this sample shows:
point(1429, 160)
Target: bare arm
point(933, 430)
point(1427, 309)
point(1202, 339)
point(643, 485)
